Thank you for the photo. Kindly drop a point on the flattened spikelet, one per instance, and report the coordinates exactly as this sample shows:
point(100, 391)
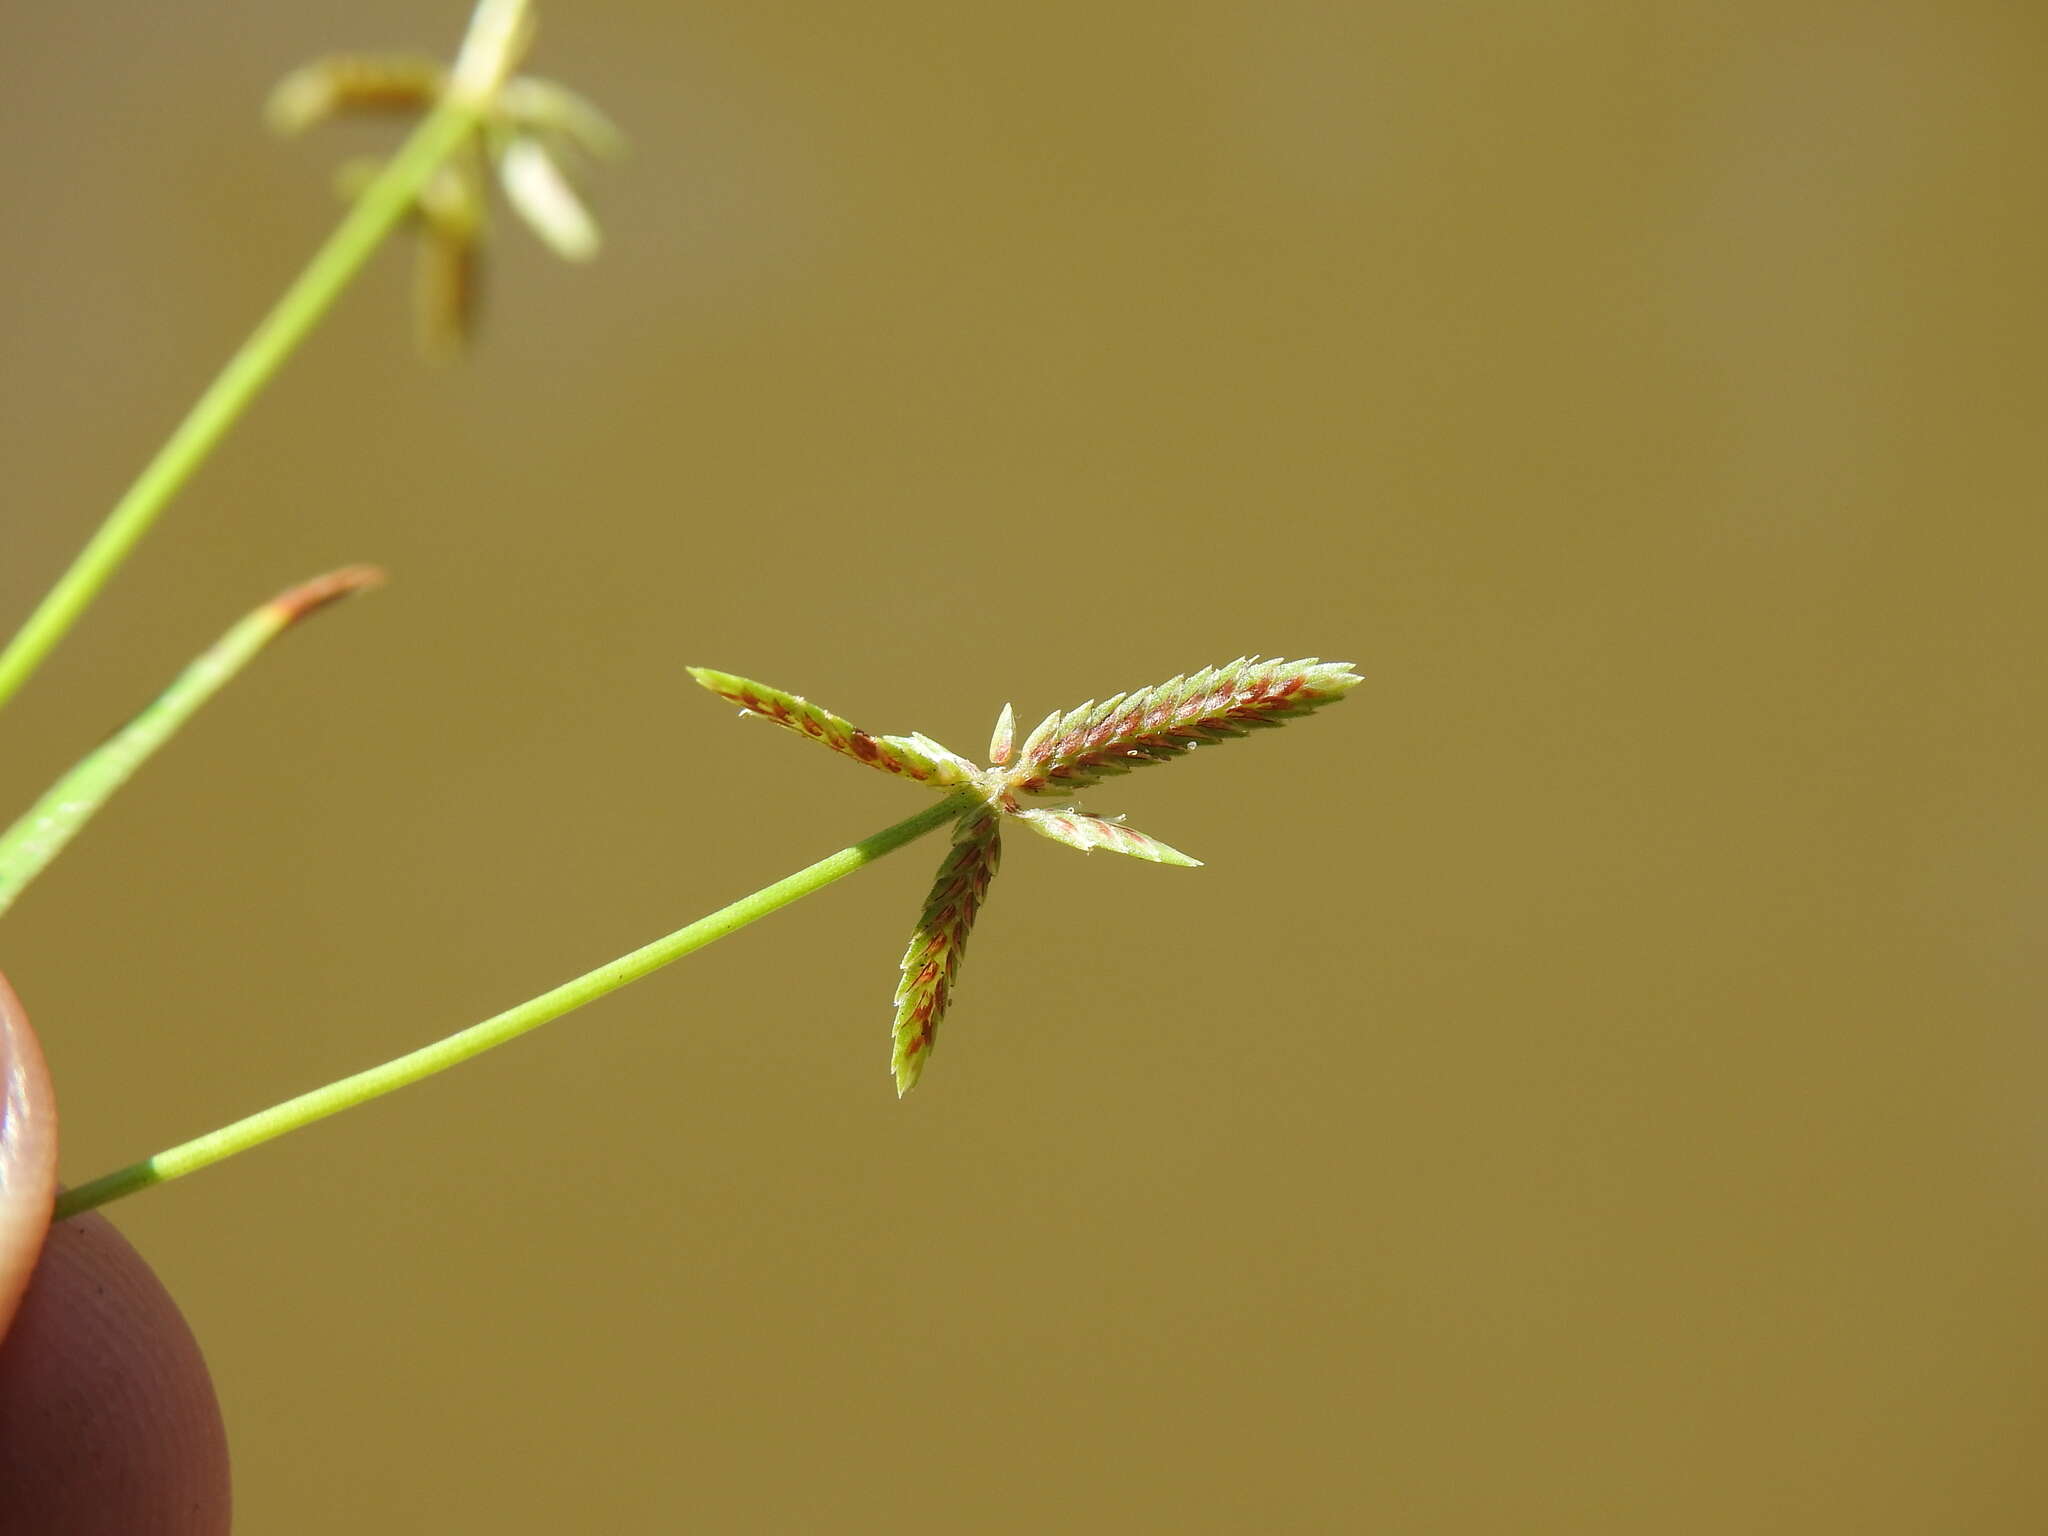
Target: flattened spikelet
point(1088, 832)
point(1154, 725)
point(902, 755)
point(933, 958)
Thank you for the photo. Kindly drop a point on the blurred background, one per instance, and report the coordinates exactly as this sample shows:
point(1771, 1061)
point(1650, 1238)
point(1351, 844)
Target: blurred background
point(1596, 1084)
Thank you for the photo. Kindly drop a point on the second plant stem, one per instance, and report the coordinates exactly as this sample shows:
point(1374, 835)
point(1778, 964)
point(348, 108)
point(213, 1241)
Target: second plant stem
point(373, 216)
point(513, 1022)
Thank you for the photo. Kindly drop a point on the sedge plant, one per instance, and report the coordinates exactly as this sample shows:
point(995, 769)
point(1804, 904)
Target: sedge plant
point(479, 117)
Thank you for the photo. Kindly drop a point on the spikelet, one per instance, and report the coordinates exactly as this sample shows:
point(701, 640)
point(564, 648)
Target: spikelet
point(353, 82)
point(913, 757)
point(1155, 725)
point(933, 958)
point(541, 106)
point(1086, 831)
point(500, 33)
point(541, 193)
point(1002, 741)
point(447, 267)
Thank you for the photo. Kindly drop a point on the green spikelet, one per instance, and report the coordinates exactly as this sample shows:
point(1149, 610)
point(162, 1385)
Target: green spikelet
point(1087, 832)
point(1002, 741)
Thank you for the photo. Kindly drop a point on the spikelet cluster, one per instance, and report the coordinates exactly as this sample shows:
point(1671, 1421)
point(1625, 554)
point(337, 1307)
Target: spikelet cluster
point(532, 133)
point(1069, 750)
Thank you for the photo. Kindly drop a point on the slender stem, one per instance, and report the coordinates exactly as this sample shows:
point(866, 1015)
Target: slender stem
point(373, 216)
point(41, 833)
point(443, 1054)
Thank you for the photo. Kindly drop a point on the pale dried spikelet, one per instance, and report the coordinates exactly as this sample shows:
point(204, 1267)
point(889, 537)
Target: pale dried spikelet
point(933, 958)
point(542, 106)
point(1087, 831)
point(1154, 725)
point(918, 758)
point(541, 194)
point(500, 33)
point(539, 130)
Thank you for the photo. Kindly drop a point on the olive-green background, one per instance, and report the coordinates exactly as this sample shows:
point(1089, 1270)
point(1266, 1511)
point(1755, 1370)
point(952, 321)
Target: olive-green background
point(1597, 1084)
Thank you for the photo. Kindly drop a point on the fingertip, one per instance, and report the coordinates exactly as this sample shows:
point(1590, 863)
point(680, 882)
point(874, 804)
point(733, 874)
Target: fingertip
point(28, 1151)
point(108, 1420)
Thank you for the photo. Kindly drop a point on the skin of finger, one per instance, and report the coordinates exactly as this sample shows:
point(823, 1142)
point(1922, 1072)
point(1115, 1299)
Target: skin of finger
point(28, 1151)
point(108, 1421)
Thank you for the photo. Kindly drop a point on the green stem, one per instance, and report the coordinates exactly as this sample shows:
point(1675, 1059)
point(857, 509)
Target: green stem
point(443, 1054)
point(27, 847)
point(383, 203)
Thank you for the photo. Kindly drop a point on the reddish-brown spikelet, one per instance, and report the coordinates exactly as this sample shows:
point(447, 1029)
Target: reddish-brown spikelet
point(932, 959)
point(1153, 725)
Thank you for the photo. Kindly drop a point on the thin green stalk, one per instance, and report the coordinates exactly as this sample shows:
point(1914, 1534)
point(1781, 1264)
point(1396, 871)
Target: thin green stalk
point(28, 846)
point(443, 1054)
point(373, 216)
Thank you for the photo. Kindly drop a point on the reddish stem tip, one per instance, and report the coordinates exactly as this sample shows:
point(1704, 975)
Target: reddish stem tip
point(295, 603)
